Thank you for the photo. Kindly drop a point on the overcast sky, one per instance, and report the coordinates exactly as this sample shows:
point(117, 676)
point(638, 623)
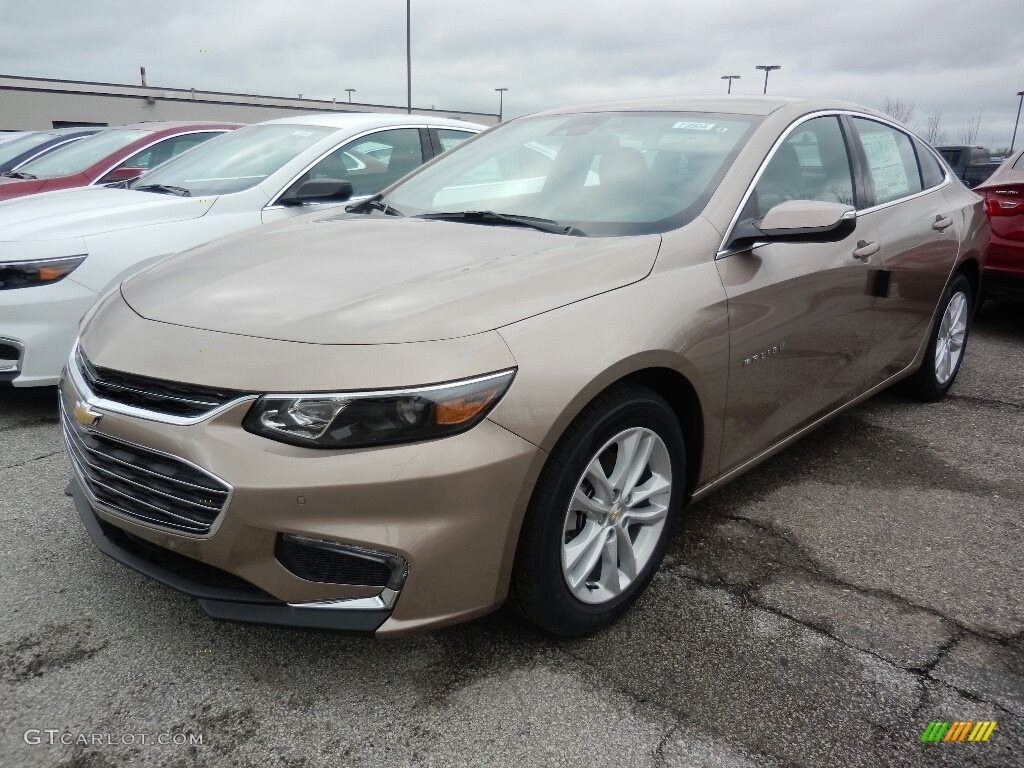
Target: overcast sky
point(957, 58)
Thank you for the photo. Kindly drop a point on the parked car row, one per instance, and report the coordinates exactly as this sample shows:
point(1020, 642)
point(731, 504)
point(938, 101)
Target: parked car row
point(497, 375)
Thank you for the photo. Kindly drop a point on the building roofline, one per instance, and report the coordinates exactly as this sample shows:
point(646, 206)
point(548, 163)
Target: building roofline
point(329, 103)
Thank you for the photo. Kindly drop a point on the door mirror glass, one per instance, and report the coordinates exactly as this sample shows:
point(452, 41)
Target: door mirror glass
point(798, 221)
point(317, 191)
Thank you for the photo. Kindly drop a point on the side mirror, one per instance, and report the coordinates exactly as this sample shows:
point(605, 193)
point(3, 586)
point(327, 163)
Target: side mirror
point(124, 173)
point(798, 221)
point(317, 191)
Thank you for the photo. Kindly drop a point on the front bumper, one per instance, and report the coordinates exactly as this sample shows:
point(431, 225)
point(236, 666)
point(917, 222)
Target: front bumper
point(449, 508)
point(221, 595)
point(42, 323)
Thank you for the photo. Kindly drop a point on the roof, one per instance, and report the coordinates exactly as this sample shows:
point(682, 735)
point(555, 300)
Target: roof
point(369, 120)
point(723, 104)
point(163, 125)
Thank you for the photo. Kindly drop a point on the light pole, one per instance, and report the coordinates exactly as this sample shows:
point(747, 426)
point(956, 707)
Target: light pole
point(1019, 105)
point(350, 91)
point(767, 68)
point(501, 101)
point(730, 78)
point(408, 56)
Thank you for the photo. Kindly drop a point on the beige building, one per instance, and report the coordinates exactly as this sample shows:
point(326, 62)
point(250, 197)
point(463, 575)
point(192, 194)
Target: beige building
point(33, 103)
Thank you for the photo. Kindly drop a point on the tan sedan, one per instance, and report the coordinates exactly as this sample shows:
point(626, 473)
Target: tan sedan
point(504, 377)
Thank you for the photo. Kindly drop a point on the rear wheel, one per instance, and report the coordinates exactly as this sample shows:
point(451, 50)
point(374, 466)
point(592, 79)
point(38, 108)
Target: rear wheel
point(947, 344)
point(601, 515)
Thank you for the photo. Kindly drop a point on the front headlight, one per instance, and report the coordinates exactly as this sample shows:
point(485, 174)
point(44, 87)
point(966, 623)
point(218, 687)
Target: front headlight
point(25, 274)
point(377, 417)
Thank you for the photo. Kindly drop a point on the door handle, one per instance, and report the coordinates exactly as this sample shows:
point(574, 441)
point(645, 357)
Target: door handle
point(941, 223)
point(865, 250)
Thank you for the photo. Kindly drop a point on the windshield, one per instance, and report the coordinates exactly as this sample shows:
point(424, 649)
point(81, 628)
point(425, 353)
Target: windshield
point(608, 173)
point(236, 160)
point(14, 147)
point(79, 155)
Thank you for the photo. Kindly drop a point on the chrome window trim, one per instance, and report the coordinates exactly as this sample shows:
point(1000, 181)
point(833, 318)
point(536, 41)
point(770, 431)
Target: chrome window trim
point(126, 515)
point(16, 367)
point(152, 144)
point(112, 406)
point(724, 252)
point(49, 149)
point(273, 205)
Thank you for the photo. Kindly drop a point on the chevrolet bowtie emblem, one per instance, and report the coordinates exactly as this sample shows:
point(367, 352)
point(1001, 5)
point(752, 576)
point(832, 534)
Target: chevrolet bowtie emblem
point(85, 416)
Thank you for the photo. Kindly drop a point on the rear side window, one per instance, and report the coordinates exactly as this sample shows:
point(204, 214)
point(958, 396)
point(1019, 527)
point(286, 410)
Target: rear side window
point(931, 172)
point(1019, 164)
point(449, 137)
point(811, 164)
point(892, 163)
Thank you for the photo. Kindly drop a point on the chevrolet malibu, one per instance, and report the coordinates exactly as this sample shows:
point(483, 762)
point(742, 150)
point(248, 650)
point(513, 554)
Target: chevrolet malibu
point(60, 251)
point(503, 377)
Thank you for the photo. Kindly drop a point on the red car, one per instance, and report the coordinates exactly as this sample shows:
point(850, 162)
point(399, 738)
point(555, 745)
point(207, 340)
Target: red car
point(1004, 203)
point(113, 154)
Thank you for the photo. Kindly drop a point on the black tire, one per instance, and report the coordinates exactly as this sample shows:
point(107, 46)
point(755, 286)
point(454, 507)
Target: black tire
point(538, 591)
point(925, 384)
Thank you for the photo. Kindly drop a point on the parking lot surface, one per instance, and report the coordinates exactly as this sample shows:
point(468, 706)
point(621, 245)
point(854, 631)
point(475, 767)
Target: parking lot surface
point(819, 611)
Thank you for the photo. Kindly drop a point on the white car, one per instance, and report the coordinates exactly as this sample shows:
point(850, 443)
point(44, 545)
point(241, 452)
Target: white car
point(60, 251)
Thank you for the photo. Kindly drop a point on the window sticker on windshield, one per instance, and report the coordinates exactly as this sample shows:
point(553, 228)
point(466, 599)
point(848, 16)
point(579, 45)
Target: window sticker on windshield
point(690, 125)
point(886, 164)
point(302, 133)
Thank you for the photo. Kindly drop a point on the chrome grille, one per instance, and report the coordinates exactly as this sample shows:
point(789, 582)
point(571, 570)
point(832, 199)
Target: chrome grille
point(157, 395)
point(144, 484)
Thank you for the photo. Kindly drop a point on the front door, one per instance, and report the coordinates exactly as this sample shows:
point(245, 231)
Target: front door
point(800, 314)
point(370, 163)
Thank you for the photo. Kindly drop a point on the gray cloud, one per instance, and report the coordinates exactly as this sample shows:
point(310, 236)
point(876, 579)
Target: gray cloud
point(957, 59)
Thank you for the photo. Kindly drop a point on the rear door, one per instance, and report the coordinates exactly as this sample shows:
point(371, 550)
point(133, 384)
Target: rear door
point(800, 314)
point(919, 230)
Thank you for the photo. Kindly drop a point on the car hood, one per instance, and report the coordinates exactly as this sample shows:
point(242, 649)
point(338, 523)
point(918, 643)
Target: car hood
point(90, 211)
point(378, 280)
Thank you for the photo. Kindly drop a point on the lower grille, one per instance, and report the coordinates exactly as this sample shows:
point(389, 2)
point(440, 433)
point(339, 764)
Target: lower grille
point(145, 485)
point(334, 563)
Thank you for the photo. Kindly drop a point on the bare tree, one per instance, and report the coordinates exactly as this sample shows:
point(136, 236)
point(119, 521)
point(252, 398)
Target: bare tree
point(969, 132)
point(934, 132)
point(899, 110)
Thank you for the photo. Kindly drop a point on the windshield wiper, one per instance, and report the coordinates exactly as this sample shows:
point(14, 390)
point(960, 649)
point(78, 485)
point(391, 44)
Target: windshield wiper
point(509, 219)
point(18, 175)
point(375, 203)
point(164, 189)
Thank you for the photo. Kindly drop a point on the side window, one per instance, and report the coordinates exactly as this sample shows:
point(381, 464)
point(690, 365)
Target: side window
point(931, 172)
point(372, 162)
point(450, 137)
point(811, 164)
point(150, 157)
point(892, 164)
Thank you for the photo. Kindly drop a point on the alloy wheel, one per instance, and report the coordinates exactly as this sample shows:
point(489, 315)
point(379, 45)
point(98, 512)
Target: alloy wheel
point(616, 515)
point(952, 334)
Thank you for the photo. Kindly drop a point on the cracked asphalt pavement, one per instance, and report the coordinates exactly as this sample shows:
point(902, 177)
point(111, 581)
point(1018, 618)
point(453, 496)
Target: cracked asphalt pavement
point(819, 611)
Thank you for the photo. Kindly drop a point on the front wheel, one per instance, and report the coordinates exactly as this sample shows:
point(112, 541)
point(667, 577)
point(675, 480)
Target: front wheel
point(601, 514)
point(947, 344)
